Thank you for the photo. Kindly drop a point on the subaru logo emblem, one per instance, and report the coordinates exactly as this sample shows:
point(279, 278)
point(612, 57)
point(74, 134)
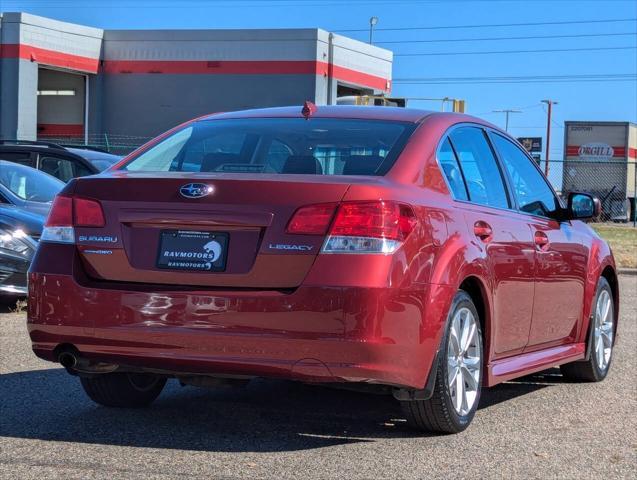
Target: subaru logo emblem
point(195, 190)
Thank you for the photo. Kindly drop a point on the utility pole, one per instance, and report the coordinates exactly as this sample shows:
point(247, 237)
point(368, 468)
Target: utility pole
point(372, 23)
point(507, 112)
point(550, 104)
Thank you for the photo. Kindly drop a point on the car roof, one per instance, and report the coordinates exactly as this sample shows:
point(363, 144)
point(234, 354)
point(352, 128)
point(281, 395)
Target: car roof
point(84, 151)
point(94, 154)
point(329, 111)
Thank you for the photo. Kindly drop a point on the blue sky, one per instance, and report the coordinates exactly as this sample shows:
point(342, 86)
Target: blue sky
point(596, 48)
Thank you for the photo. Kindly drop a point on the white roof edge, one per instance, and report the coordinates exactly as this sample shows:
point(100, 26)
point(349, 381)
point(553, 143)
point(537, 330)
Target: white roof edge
point(214, 34)
point(601, 122)
point(356, 45)
point(45, 22)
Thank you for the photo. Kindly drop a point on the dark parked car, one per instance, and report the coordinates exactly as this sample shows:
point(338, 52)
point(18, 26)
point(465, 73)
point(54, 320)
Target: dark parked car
point(27, 188)
point(19, 235)
point(25, 200)
point(57, 160)
point(424, 252)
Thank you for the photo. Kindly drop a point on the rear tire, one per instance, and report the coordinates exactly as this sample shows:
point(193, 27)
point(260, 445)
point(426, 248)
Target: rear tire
point(123, 390)
point(602, 321)
point(460, 354)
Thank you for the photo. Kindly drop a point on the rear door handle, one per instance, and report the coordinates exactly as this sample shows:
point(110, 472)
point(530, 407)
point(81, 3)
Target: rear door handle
point(483, 231)
point(541, 241)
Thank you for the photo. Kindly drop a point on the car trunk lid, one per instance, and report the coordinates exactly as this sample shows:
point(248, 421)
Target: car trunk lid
point(238, 227)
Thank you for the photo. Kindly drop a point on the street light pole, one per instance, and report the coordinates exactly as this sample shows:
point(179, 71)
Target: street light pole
point(550, 104)
point(507, 112)
point(372, 23)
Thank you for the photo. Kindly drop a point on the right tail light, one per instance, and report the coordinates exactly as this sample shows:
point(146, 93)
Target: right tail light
point(357, 227)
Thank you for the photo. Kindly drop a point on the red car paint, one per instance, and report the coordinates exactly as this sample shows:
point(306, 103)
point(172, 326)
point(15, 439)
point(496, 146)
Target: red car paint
point(309, 315)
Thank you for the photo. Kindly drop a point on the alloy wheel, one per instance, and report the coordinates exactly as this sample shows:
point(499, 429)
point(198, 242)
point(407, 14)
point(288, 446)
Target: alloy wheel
point(603, 335)
point(464, 361)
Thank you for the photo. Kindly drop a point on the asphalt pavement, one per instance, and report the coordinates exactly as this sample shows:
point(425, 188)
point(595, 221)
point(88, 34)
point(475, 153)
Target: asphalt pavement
point(536, 427)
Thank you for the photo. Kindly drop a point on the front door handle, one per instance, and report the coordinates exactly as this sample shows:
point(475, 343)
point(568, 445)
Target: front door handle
point(483, 231)
point(541, 241)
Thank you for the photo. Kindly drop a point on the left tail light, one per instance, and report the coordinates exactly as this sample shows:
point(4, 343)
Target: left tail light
point(69, 212)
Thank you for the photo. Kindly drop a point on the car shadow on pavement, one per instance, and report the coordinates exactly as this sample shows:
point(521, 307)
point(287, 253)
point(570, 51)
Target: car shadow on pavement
point(264, 416)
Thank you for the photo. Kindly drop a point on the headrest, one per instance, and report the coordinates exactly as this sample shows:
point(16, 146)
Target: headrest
point(362, 164)
point(453, 174)
point(212, 161)
point(303, 164)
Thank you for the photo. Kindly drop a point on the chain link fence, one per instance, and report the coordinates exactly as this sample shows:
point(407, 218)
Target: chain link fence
point(112, 143)
point(613, 182)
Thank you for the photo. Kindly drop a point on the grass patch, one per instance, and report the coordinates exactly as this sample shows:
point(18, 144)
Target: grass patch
point(623, 241)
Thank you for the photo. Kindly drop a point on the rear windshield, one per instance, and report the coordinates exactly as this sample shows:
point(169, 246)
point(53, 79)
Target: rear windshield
point(319, 146)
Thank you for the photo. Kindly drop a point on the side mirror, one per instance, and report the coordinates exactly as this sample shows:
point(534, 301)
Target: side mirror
point(581, 206)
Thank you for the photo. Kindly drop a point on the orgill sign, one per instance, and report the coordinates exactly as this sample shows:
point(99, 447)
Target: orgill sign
point(596, 151)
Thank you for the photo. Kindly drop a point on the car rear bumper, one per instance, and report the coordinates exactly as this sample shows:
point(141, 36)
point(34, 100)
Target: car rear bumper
point(321, 334)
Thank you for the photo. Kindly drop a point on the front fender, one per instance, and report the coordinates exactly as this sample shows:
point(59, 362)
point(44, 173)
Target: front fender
point(600, 259)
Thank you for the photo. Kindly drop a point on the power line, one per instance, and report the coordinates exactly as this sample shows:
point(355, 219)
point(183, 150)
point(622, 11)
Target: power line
point(219, 4)
point(528, 107)
point(478, 82)
point(507, 112)
point(534, 126)
point(498, 52)
point(541, 77)
point(495, 25)
point(517, 79)
point(485, 39)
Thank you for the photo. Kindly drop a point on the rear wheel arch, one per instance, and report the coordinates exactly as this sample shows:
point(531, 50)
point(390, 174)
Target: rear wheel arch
point(477, 290)
point(610, 275)
point(606, 271)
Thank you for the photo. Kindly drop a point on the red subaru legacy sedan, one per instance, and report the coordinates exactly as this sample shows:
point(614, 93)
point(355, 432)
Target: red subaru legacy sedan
point(421, 252)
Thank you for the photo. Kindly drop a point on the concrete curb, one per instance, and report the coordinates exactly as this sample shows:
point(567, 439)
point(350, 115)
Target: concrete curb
point(627, 271)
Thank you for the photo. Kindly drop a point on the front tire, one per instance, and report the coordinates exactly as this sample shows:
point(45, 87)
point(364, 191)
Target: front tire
point(123, 390)
point(459, 368)
point(596, 367)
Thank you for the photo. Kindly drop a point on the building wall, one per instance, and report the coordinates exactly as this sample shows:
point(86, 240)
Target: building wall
point(18, 103)
point(142, 82)
point(148, 104)
point(158, 78)
point(27, 42)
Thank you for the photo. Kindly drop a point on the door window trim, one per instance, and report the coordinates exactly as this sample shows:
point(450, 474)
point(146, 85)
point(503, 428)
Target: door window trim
point(490, 133)
point(504, 177)
point(71, 158)
point(30, 155)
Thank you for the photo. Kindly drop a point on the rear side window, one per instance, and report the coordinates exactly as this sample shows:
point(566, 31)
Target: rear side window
point(533, 194)
point(451, 169)
point(479, 166)
point(319, 146)
point(17, 157)
point(57, 167)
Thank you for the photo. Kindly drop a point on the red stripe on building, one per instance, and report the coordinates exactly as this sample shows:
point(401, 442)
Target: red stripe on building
point(245, 67)
point(212, 67)
point(208, 67)
point(618, 152)
point(49, 57)
point(359, 78)
point(59, 129)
